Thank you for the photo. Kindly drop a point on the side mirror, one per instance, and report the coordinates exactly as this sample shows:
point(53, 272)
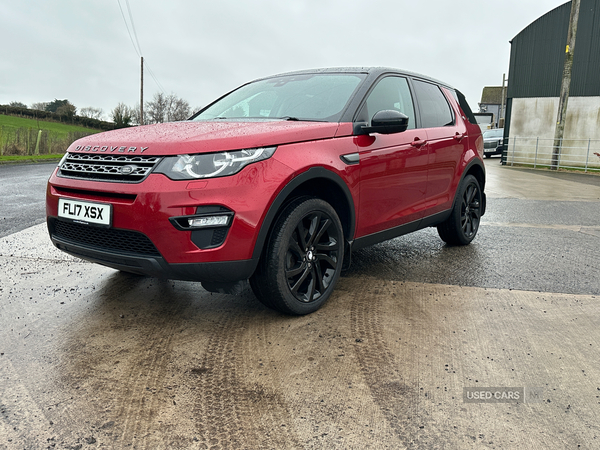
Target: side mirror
point(387, 122)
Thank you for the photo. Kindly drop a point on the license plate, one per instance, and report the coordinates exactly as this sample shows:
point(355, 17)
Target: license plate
point(85, 212)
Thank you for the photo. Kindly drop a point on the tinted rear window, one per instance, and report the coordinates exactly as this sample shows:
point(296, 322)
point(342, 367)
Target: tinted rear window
point(434, 108)
point(464, 105)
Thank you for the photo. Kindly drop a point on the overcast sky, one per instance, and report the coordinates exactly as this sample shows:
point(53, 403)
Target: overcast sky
point(82, 51)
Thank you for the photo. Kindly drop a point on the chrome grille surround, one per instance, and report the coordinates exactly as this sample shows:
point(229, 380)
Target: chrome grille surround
point(108, 167)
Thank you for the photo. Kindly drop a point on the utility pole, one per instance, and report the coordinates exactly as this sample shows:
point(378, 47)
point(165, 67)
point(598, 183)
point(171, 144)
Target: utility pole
point(565, 85)
point(502, 106)
point(142, 93)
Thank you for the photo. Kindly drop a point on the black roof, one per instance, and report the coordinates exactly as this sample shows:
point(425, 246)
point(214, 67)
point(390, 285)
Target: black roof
point(371, 71)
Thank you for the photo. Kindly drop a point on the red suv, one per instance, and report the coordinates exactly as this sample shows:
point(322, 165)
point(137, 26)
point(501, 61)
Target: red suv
point(276, 182)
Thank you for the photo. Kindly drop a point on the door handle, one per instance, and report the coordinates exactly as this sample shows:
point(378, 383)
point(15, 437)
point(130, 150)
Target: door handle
point(418, 143)
point(459, 136)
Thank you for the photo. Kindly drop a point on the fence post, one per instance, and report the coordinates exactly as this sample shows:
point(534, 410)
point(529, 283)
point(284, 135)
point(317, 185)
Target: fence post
point(587, 158)
point(37, 144)
point(512, 163)
point(559, 155)
point(537, 143)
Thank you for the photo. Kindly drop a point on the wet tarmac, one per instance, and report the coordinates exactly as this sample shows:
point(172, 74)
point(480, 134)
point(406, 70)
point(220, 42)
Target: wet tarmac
point(22, 195)
point(93, 358)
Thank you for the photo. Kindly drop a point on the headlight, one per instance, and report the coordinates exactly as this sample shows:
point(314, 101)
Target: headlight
point(211, 165)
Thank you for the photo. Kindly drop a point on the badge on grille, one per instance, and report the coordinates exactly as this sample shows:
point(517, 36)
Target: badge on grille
point(128, 170)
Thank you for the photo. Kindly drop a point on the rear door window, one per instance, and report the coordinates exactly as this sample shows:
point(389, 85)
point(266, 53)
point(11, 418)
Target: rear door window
point(433, 106)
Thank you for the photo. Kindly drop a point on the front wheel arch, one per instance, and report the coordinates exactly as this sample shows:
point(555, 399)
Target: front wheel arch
point(317, 182)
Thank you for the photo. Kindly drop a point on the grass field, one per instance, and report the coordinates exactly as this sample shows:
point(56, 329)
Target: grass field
point(55, 127)
point(24, 159)
point(20, 136)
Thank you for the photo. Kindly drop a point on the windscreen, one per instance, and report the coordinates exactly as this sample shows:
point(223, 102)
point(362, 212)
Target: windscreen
point(312, 97)
point(493, 133)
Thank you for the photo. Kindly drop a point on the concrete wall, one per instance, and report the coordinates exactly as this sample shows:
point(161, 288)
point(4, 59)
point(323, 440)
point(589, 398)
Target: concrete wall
point(532, 126)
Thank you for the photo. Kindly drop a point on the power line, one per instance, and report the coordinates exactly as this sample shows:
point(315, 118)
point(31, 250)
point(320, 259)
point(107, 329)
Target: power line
point(133, 27)
point(138, 51)
point(136, 43)
point(154, 77)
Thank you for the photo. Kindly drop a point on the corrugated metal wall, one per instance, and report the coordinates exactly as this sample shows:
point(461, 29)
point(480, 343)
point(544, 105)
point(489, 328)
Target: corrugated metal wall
point(537, 54)
point(586, 59)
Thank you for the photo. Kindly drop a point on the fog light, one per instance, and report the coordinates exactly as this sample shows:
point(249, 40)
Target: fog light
point(208, 221)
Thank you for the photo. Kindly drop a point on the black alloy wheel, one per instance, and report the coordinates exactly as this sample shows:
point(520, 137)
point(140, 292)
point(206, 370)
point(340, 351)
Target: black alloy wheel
point(470, 211)
point(463, 223)
point(311, 257)
point(303, 259)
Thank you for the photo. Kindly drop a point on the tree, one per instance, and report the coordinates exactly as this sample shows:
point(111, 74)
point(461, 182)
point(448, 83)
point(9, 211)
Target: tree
point(178, 109)
point(121, 115)
point(156, 110)
point(67, 110)
point(39, 106)
point(135, 115)
point(54, 105)
point(91, 112)
point(17, 105)
point(166, 108)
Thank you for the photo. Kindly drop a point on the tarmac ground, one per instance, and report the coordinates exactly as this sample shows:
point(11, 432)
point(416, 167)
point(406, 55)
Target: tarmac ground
point(422, 346)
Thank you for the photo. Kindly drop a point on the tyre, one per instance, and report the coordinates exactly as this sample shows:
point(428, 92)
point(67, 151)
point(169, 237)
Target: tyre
point(302, 260)
point(462, 225)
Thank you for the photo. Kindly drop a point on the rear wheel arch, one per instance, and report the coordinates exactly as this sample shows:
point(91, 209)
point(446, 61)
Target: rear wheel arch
point(476, 168)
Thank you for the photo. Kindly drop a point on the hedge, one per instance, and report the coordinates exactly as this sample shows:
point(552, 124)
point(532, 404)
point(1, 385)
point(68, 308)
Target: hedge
point(46, 115)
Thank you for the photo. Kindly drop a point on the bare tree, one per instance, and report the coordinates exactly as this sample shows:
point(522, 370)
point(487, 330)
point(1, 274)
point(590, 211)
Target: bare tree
point(17, 104)
point(91, 112)
point(135, 115)
point(121, 115)
point(156, 110)
point(166, 108)
point(40, 106)
point(179, 109)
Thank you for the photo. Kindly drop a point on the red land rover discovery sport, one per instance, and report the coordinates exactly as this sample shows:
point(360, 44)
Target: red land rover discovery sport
point(276, 182)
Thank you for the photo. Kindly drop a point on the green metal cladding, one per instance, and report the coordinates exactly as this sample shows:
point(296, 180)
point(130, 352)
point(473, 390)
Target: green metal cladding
point(538, 52)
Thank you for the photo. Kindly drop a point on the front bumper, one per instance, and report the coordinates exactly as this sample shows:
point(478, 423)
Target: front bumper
point(148, 242)
point(492, 148)
point(157, 266)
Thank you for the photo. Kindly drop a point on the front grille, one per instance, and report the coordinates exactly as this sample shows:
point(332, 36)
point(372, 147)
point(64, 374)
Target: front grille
point(108, 239)
point(103, 167)
point(84, 194)
point(493, 144)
